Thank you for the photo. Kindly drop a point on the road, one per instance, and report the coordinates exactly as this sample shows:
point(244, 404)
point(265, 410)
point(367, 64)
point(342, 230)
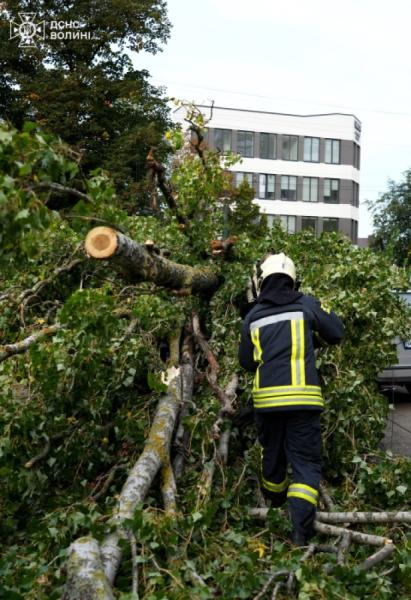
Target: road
point(398, 432)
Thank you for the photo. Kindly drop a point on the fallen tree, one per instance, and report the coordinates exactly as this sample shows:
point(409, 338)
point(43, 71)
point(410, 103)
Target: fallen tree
point(111, 484)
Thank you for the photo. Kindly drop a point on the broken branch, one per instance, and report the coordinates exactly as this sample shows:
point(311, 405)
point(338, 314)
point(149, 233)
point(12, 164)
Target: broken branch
point(22, 346)
point(140, 264)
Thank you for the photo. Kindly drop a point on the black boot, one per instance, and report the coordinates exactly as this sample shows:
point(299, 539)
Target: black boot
point(298, 538)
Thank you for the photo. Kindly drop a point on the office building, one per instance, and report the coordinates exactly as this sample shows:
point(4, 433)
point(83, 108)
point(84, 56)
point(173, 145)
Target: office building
point(305, 169)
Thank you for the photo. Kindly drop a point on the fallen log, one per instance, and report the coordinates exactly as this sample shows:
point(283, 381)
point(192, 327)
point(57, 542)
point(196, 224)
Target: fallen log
point(141, 264)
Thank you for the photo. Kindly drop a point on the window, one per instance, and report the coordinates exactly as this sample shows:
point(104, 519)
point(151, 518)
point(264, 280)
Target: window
point(356, 156)
point(268, 143)
point(289, 147)
point(288, 223)
point(355, 194)
point(245, 143)
point(309, 223)
point(266, 186)
point(332, 152)
point(311, 149)
point(354, 231)
point(288, 187)
point(222, 140)
point(330, 224)
point(332, 191)
point(240, 177)
point(310, 189)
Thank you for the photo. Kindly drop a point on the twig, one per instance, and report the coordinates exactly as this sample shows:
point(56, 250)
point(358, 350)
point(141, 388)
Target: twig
point(40, 456)
point(326, 498)
point(57, 187)
point(158, 173)
point(107, 483)
point(276, 589)
point(269, 581)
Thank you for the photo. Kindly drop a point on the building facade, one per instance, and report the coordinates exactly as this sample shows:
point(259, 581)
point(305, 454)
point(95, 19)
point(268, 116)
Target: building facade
point(305, 169)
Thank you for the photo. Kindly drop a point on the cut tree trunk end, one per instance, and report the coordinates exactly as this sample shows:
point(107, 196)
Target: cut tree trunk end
point(141, 264)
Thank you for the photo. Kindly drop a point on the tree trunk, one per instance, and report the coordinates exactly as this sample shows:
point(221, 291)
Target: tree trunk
point(141, 263)
point(155, 454)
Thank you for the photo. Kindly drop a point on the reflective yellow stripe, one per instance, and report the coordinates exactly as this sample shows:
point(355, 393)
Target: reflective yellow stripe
point(275, 487)
point(302, 351)
point(258, 352)
point(304, 487)
point(298, 402)
point(288, 388)
point(293, 352)
point(287, 394)
point(302, 496)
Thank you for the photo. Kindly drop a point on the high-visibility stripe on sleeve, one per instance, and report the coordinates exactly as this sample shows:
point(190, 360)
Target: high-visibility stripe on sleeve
point(304, 492)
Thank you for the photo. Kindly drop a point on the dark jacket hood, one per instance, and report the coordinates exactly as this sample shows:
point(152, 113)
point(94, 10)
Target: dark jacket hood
point(278, 290)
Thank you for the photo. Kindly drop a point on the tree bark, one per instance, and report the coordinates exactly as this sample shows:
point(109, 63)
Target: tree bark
point(85, 575)
point(141, 264)
point(155, 454)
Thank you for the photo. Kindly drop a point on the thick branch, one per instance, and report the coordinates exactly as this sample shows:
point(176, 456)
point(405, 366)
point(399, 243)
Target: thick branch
point(356, 536)
point(155, 454)
point(24, 345)
point(85, 574)
point(140, 264)
point(364, 517)
point(377, 557)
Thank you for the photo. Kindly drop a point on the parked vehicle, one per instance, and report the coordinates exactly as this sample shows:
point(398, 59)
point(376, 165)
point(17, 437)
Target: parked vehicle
point(400, 373)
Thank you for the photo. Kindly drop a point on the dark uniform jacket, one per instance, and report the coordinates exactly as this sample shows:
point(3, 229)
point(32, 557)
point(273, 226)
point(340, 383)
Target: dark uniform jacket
point(277, 344)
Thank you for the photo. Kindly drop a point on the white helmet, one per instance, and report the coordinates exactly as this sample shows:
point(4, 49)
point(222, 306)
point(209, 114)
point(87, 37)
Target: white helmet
point(278, 263)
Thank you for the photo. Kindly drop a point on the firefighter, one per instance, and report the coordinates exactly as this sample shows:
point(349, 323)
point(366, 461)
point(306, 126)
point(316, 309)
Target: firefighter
point(277, 344)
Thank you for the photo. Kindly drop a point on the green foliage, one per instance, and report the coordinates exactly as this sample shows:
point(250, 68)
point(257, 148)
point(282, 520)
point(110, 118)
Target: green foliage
point(87, 91)
point(81, 402)
point(392, 217)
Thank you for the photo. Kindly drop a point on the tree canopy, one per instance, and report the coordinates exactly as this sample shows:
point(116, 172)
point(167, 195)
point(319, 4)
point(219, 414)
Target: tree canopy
point(392, 220)
point(83, 405)
point(87, 91)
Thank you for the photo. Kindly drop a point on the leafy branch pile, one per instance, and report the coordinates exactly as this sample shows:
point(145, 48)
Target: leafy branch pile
point(152, 482)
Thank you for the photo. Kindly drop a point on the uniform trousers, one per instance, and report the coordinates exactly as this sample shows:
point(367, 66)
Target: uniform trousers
point(291, 438)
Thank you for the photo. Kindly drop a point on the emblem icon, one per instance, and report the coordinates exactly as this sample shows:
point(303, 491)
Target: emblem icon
point(28, 30)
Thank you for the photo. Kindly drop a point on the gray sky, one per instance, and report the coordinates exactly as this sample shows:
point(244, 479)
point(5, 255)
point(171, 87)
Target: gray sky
point(300, 56)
